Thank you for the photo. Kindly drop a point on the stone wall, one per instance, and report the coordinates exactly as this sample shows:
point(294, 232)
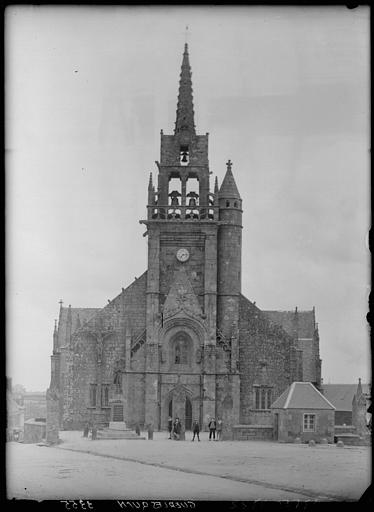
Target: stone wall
point(170, 242)
point(252, 432)
point(265, 359)
point(135, 399)
point(310, 358)
point(95, 351)
point(290, 425)
point(343, 417)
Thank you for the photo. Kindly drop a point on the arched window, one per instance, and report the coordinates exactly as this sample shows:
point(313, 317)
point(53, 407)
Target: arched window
point(181, 348)
point(175, 189)
point(184, 155)
point(117, 381)
point(227, 204)
point(177, 359)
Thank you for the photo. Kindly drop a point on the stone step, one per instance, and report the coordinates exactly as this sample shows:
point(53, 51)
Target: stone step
point(117, 434)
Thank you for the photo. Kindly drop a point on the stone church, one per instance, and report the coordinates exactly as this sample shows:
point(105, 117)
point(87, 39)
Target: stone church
point(182, 340)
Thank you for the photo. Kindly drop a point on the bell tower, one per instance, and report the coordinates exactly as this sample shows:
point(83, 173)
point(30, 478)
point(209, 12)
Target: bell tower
point(182, 225)
point(183, 180)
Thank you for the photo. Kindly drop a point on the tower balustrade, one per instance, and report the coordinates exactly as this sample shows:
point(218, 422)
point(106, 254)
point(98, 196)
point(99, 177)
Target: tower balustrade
point(170, 212)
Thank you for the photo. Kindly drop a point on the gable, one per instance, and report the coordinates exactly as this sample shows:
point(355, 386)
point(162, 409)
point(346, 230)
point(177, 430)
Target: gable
point(130, 304)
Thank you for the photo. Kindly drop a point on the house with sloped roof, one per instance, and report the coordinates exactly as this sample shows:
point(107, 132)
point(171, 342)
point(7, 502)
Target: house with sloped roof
point(341, 396)
point(301, 411)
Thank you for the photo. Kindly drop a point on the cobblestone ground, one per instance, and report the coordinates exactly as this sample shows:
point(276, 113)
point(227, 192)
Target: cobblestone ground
point(165, 469)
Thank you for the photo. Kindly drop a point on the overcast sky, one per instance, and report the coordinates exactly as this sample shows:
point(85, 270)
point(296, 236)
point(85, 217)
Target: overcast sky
point(283, 93)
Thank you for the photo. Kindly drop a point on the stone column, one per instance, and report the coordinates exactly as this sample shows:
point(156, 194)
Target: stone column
point(183, 198)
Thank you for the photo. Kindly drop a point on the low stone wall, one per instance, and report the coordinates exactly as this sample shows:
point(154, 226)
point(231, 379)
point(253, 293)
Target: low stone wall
point(252, 432)
point(344, 429)
point(353, 439)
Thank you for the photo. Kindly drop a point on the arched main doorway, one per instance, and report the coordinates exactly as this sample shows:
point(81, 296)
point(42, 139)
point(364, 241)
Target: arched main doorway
point(179, 405)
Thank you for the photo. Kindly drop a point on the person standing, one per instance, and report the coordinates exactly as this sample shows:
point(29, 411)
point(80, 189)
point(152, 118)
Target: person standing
point(170, 426)
point(94, 432)
point(219, 429)
point(195, 430)
point(212, 428)
point(86, 430)
point(177, 429)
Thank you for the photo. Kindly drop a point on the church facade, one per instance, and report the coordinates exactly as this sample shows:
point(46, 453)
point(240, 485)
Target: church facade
point(182, 340)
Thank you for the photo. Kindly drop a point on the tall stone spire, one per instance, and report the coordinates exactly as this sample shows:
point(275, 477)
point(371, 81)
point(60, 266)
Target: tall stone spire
point(185, 113)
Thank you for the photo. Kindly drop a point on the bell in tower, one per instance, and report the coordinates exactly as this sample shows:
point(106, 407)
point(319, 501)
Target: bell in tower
point(184, 155)
point(174, 198)
point(192, 200)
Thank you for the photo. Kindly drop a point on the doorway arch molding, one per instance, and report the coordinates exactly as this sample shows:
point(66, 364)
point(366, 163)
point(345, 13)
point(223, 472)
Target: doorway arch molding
point(179, 391)
point(180, 399)
point(195, 329)
point(195, 339)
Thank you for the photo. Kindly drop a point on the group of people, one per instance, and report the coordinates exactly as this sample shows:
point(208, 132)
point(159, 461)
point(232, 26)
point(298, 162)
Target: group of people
point(215, 427)
point(90, 428)
point(174, 428)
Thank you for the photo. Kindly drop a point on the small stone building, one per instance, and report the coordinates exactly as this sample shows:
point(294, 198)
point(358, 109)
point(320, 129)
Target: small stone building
point(303, 412)
point(34, 430)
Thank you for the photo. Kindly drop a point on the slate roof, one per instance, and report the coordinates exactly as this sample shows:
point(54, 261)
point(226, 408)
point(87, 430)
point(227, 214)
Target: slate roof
point(341, 395)
point(286, 319)
point(228, 187)
point(301, 395)
point(134, 310)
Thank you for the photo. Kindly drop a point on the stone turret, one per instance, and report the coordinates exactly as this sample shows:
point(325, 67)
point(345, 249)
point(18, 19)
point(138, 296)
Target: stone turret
point(229, 260)
point(359, 409)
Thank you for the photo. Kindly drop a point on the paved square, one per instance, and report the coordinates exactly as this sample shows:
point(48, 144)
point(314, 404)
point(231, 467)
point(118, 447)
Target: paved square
point(165, 469)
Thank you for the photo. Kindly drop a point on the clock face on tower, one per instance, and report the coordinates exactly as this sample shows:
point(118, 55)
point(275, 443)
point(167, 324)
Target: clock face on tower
point(183, 255)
